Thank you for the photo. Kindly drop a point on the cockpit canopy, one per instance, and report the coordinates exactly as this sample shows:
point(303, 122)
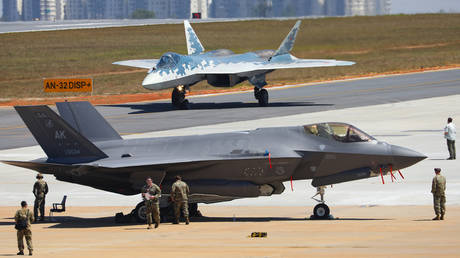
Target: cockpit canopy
point(338, 131)
point(168, 60)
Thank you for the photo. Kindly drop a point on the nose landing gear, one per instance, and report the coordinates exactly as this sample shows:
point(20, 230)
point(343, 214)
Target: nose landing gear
point(321, 210)
point(178, 98)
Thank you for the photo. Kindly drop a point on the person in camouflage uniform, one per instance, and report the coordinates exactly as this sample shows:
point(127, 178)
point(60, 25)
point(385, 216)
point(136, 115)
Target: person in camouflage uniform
point(40, 190)
point(151, 194)
point(179, 195)
point(438, 188)
point(24, 214)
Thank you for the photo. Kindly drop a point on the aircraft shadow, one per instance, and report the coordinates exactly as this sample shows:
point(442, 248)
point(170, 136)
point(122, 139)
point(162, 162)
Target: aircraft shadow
point(164, 107)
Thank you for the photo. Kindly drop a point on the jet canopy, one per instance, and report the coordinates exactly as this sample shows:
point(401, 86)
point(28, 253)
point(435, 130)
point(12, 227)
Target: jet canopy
point(168, 60)
point(338, 131)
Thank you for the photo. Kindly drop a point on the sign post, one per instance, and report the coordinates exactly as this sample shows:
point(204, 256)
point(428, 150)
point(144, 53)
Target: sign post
point(68, 85)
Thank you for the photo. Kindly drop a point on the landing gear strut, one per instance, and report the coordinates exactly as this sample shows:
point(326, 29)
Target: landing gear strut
point(321, 210)
point(178, 98)
point(262, 96)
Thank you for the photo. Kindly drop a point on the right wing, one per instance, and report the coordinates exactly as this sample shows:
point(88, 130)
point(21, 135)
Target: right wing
point(140, 63)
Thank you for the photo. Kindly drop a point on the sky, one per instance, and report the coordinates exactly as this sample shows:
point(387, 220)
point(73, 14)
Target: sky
point(424, 6)
point(404, 6)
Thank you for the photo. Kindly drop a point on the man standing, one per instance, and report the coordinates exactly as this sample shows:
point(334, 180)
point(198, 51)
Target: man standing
point(40, 190)
point(438, 188)
point(23, 218)
point(151, 194)
point(450, 133)
point(179, 195)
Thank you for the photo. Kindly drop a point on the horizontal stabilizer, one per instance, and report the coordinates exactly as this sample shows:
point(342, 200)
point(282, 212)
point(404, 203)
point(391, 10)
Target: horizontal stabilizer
point(85, 119)
point(288, 43)
point(60, 142)
point(194, 46)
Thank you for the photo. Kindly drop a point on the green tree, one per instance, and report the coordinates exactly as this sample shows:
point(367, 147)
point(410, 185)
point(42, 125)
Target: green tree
point(142, 14)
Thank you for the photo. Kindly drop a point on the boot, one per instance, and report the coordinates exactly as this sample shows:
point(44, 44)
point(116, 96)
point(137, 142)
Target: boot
point(156, 225)
point(436, 218)
point(442, 216)
point(20, 253)
point(30, 252)
point(149, 227)
point(187, 221)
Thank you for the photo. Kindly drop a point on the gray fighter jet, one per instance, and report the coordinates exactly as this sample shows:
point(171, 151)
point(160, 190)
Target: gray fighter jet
point(82, 148)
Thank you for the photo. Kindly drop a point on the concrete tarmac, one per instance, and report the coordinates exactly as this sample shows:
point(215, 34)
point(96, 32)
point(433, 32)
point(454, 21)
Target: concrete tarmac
point(380, 231)
point(136, 118)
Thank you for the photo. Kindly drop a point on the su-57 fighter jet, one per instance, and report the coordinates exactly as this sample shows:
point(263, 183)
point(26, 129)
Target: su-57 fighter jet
point(221, 68)
point(82, 148)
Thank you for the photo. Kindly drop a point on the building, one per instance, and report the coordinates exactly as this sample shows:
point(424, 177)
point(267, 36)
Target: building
point(12, 10)
point(30, 10)
point(200, 6)
point(48, 10)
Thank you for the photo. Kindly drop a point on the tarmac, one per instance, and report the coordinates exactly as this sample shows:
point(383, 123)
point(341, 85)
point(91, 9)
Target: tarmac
point(380, 231)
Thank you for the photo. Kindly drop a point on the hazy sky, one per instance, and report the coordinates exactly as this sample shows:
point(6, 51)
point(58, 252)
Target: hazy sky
point(424, 6)
point(404, 6)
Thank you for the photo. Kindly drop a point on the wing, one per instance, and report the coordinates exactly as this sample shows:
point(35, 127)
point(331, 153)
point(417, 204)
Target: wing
point(278, 62)
point(140, 63)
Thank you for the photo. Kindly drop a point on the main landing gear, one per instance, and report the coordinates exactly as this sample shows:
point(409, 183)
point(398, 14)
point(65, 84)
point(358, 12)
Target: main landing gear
point(178, 98)
point(262, 96)
point(166, 213)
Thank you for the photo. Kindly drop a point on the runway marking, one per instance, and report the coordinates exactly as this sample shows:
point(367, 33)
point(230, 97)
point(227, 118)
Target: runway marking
point(13, 127)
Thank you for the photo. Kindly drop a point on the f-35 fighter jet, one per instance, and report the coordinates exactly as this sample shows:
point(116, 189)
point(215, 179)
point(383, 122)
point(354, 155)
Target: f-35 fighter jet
point(82, 148)
point(221, 68)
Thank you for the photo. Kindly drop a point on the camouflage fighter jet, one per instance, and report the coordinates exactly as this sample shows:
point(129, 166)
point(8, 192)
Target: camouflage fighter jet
point(83, 148)
point(221, 68)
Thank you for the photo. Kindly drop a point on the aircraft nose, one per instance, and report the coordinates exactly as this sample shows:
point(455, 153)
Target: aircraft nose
point(404, 157)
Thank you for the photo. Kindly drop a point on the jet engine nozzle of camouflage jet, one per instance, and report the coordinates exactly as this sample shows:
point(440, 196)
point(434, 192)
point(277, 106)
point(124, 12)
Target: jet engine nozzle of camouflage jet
point(404, 157)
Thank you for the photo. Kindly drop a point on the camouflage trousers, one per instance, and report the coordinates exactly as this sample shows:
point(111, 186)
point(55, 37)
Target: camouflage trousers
point(39, 204)
point(152, 209)
point(177, 208)
point(439, 202)
point(28, 235)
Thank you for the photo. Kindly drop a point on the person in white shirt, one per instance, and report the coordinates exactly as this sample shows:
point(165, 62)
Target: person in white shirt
point(450, 134)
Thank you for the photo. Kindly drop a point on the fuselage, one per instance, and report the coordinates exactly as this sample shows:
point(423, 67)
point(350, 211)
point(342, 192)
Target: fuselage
point(174, 69)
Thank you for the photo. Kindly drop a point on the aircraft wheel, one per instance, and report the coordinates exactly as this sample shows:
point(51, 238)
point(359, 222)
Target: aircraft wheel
point(256, 92)
point(177, 97)
point(321, 211)
point(263, 98)
point(185, 105)
point(139, 213)
point(193, 210)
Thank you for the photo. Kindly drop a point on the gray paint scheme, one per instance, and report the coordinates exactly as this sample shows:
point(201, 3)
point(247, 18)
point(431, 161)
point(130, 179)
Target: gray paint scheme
point(218, 167)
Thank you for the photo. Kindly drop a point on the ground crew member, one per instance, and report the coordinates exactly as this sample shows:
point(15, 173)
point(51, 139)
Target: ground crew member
point(179, 195)
point(438, 188)
point(23, 218)
point(450, 134)
point(151, 194)
point(40, 190)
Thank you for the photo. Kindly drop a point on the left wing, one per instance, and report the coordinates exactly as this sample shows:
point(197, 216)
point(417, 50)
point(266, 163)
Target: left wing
point(141, 63)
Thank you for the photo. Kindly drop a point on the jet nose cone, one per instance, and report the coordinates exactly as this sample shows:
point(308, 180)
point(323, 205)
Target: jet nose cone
point(404, 157)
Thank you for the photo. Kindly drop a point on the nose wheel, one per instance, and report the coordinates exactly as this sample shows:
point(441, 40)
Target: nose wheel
point(321, 211)
point(178, 98)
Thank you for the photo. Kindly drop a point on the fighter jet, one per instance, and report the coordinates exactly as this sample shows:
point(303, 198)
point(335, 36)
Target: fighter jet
point(83, 148)
point(221, 68)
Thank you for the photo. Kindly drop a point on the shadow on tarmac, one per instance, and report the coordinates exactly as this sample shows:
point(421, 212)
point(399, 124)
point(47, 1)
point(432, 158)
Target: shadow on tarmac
point(164, 107)
point(77, 222)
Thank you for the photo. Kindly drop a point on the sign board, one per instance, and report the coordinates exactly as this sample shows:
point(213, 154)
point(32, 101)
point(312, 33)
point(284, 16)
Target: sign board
point(196, 15)
point(68, 85)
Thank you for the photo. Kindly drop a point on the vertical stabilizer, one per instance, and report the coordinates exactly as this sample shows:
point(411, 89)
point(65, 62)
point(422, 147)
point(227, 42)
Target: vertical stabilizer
point(288, 43)
point(194, 46)
point(61, 143)
point(85, 119)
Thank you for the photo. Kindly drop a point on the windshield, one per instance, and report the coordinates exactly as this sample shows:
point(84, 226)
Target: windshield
point(168, 60)
point(338, 132)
